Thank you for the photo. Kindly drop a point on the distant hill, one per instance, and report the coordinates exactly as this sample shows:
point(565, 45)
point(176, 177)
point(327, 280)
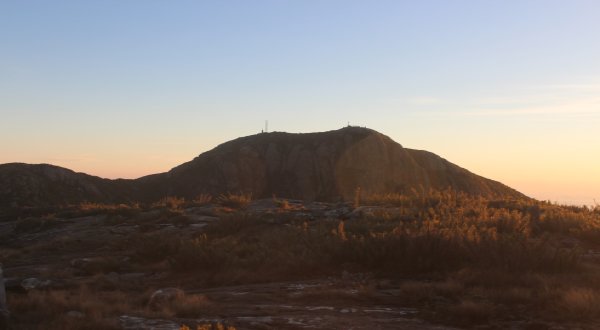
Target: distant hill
point(313, 166)
point(43, 185)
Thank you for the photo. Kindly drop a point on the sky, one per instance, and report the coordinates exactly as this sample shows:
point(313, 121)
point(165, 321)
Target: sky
point(507, 89)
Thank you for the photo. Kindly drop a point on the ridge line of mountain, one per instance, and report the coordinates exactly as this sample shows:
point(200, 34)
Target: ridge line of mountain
point(326, 166)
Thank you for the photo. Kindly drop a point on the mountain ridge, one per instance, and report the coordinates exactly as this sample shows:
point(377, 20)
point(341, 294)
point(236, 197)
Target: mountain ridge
point(325, 166)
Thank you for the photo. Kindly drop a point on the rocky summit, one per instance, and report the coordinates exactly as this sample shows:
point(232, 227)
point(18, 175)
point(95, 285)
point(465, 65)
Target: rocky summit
point(324, 166)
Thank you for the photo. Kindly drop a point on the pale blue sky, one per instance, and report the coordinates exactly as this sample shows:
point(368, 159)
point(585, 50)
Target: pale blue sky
point(507, 89)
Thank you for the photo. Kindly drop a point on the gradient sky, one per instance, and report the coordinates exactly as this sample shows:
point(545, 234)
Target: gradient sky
point(507, 89)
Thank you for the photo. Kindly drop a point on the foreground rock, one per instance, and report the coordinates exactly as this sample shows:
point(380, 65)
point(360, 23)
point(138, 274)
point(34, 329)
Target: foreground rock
point(165, 296)
point(35, 284)
point(3, 307)
point(139, 323)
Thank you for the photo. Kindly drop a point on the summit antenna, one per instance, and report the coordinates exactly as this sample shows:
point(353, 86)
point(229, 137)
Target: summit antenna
point(266, 126)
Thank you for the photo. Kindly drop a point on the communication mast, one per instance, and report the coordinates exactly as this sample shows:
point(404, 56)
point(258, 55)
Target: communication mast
point(266, 126)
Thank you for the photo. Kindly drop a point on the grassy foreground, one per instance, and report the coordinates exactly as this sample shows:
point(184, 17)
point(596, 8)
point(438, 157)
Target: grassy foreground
point(460, 260)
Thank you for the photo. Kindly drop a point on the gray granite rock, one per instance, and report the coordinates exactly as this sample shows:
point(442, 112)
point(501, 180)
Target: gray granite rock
point(4, 314)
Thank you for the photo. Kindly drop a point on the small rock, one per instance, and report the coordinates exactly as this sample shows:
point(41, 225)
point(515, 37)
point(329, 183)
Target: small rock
point(75, 314)
point(348, 310)
point(164, 296)
point(208, 210)
point(202, 218)
point(80, 263)
point(338, 213)
point(198, 225)
point(34, 284)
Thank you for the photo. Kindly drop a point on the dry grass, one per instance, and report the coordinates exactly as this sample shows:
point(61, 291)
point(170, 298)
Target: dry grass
point(389, 199)
point(170, 202)
point(88, 209)
point(202, 199)
point(95, 308)
point(282, 204)
point(470, 260)
point(235, 201)
point(441, 239)
point(184, 306)
point(207, 326)
point(488, 256)
point(581, 302)
point(50, 309)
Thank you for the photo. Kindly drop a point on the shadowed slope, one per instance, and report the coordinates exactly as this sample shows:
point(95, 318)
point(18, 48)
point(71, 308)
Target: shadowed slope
point(44, 185)
point(320, 166)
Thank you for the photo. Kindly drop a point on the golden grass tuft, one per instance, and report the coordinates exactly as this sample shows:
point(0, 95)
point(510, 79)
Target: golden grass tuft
point(235, 201)
point(170, 202)
point(203, 199)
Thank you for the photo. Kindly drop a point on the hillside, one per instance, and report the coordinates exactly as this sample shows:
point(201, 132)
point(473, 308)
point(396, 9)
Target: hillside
point(322, 166)
point(43, 185)
point(326, 166)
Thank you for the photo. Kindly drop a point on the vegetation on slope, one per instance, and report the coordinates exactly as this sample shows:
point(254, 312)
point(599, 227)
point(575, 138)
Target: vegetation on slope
point(459, 259)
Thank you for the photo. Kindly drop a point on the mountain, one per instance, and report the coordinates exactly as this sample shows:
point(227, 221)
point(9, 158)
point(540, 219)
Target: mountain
point(44, 185)
point(325, 166)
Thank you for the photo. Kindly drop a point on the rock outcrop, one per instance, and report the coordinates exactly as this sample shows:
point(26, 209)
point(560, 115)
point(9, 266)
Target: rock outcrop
point(326, 166)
